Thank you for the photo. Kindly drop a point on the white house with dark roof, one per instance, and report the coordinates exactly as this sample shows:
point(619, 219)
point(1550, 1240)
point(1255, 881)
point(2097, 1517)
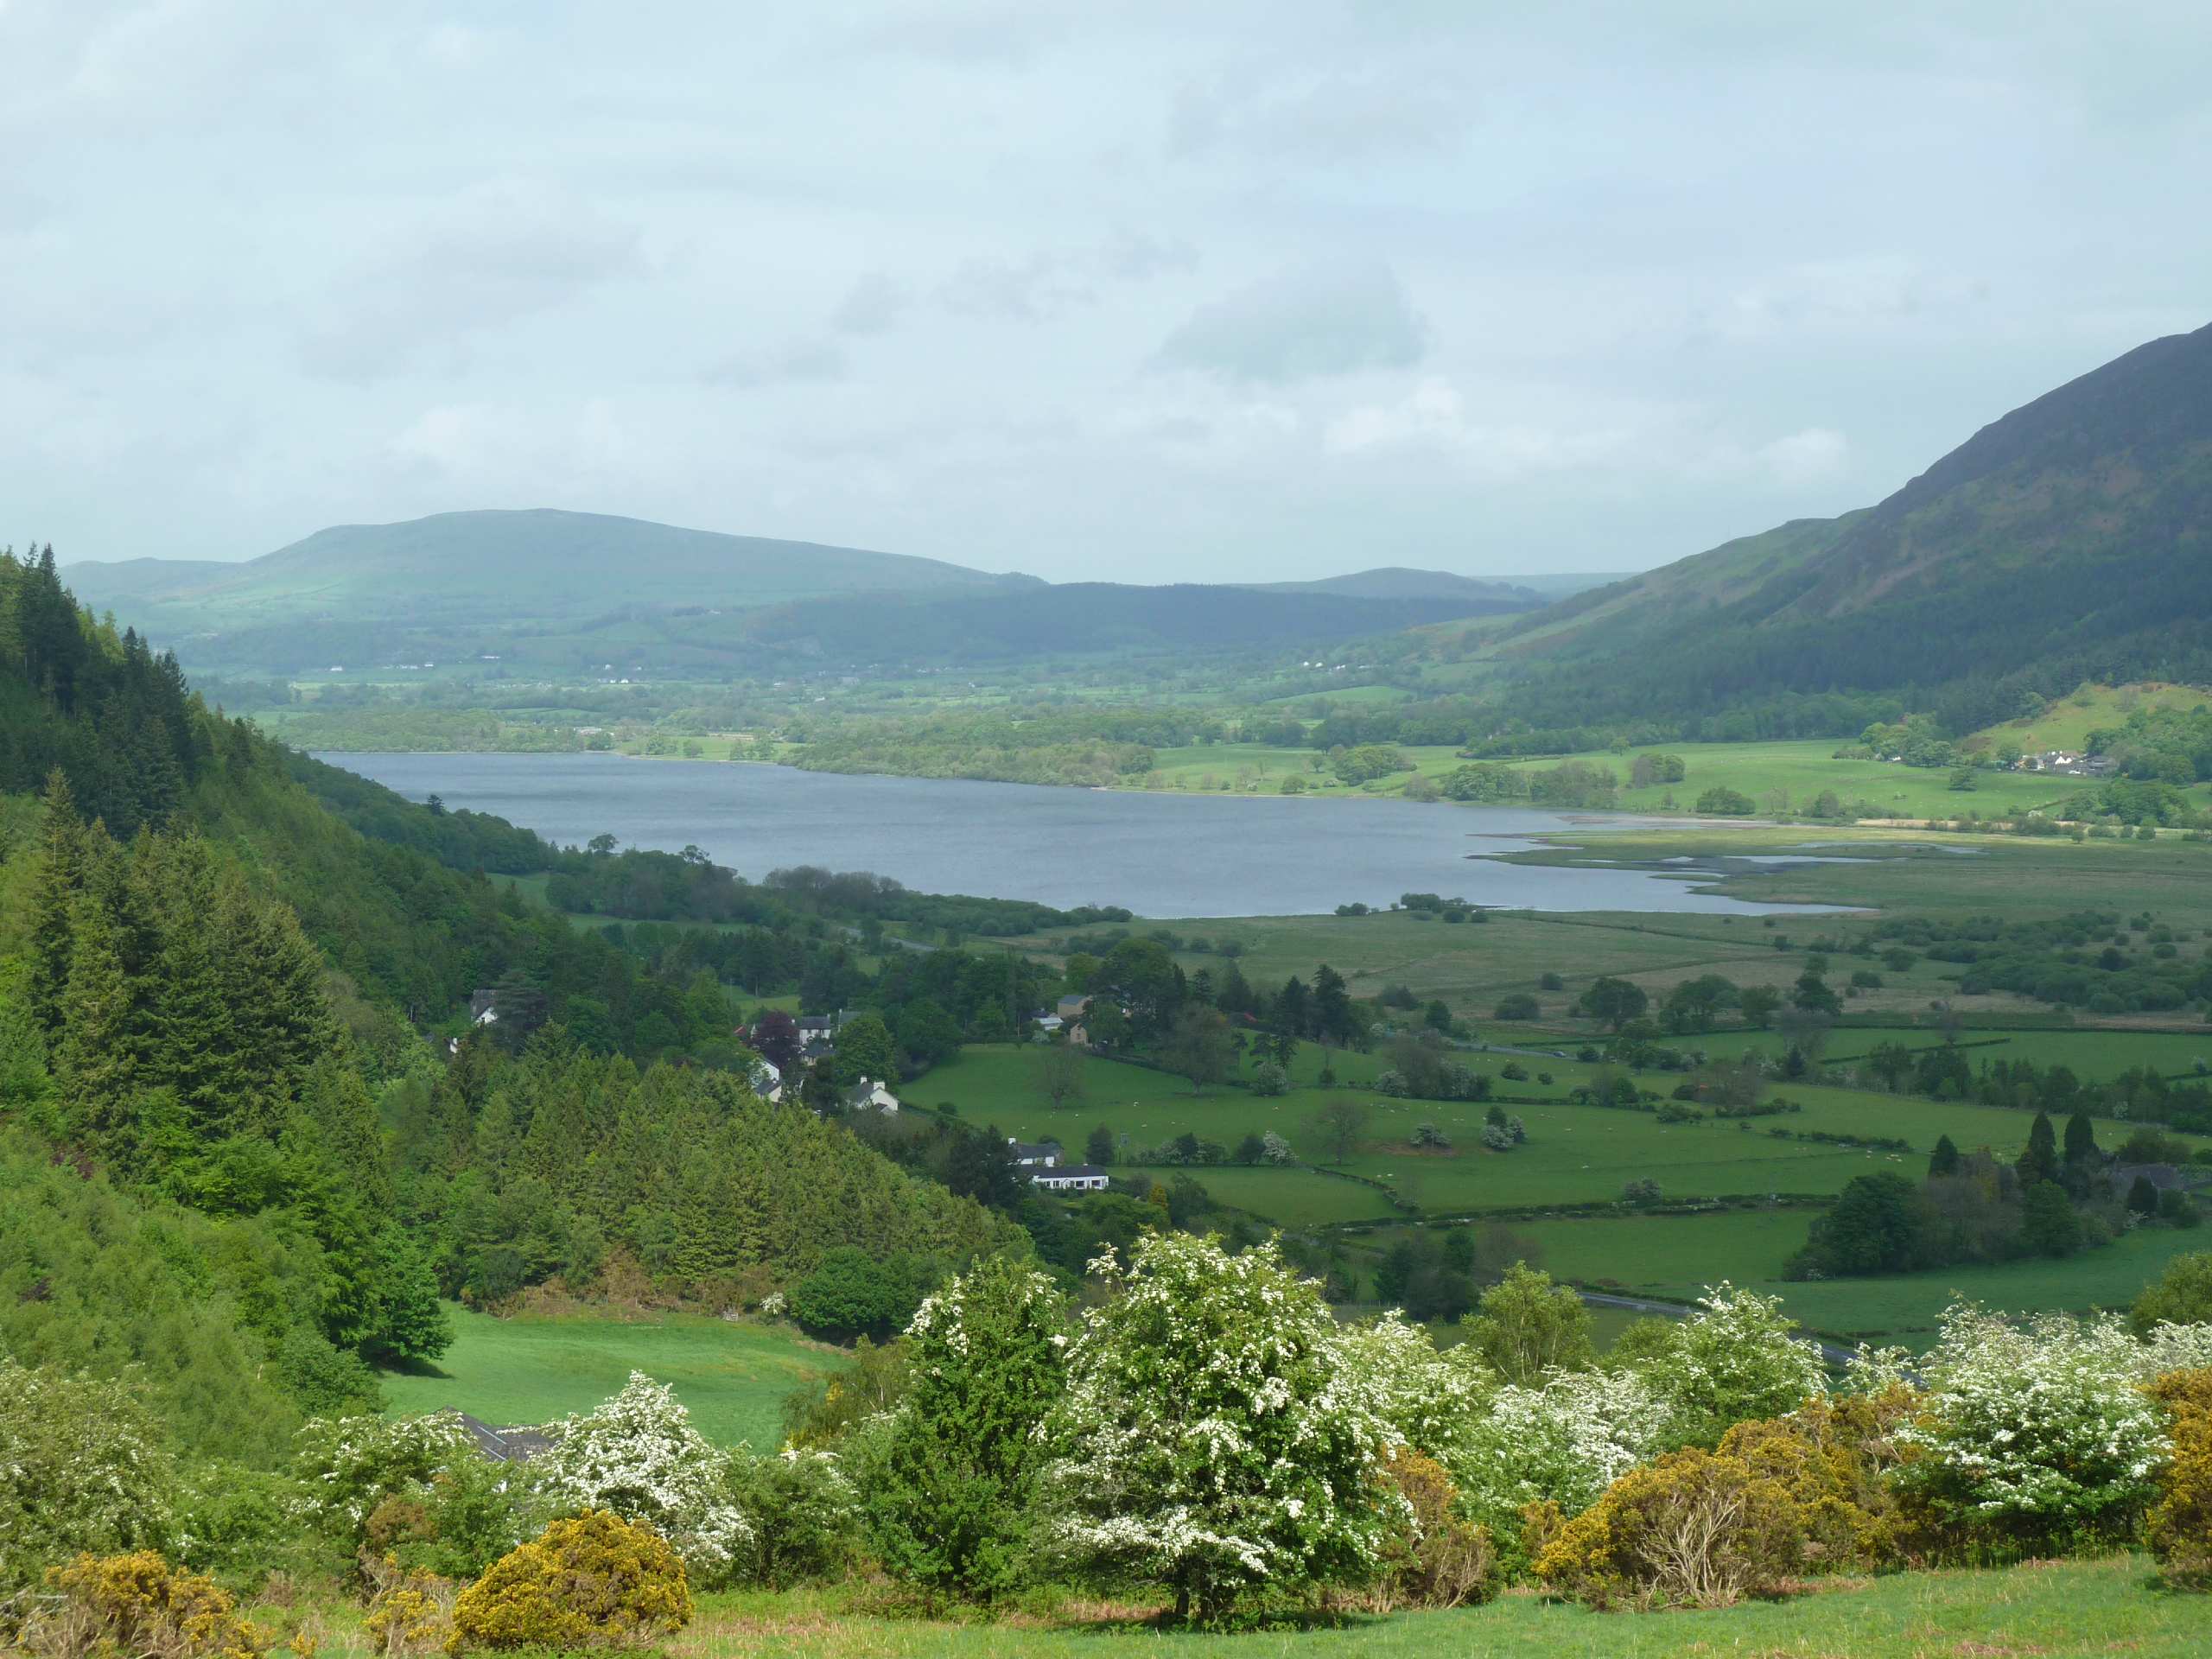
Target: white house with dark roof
point(1070, 1177)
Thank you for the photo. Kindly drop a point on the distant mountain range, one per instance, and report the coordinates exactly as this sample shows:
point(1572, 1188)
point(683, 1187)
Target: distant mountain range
point(579, 593)
point(2070, 540)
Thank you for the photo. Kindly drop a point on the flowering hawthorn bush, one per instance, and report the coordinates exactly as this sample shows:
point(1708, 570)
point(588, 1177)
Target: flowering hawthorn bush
point(2040, 1433)
point(81, 1471)
point(638, 1457)
point(1562, 1442)
point(1211, 1437)
point(346, 1467)
point(1735, 1360)
point(1427, 1395)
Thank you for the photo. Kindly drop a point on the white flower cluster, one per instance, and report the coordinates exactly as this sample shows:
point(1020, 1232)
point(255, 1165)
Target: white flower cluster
point(2043, 1421)
point(346, 1466)
point(1734, 1360)
point(638, 1456)
point(1215, 1436)
point(1566, 1439)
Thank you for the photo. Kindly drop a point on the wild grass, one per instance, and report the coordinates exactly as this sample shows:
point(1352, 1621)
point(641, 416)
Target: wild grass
point(530, 1369)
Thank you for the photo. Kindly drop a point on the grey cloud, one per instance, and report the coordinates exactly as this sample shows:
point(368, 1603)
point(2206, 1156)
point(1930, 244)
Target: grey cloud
point(873, 305)
point(1052, 282)
point(796, 363)
point(494, 254)
point(1321, 319)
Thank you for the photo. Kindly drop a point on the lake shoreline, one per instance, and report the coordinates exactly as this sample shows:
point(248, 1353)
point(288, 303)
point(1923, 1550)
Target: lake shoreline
point(1164, 855)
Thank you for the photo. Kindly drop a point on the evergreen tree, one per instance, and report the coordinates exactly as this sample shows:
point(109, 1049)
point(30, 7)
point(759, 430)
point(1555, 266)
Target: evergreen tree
point(949, 1495)
point(2039, 1161)
point(1944, 1160)
point(2143, 1197)
point(95, 1062)
point(2048, 1225)
point(2080, 1139)
point(55, 879)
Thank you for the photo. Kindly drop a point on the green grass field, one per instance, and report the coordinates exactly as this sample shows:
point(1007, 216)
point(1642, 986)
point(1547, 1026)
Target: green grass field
point(1575, 1155)
point(732, 1377)
point(1674, 1257)
point(2107, 1605)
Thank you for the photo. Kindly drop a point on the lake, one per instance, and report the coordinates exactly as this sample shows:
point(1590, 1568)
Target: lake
point(1161, 855)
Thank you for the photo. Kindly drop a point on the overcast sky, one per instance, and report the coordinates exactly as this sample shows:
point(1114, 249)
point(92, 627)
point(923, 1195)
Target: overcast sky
point(1090, 289)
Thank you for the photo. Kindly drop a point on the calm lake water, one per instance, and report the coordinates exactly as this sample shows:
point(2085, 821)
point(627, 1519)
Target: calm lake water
point(1162, 855)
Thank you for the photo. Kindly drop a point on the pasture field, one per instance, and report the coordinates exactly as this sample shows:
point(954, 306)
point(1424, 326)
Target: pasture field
point(525, 1370)
point(1674, 1257)
point(2094, 1056)
point(1779, 777)
point(2076, 1606)
point(1575, 1155)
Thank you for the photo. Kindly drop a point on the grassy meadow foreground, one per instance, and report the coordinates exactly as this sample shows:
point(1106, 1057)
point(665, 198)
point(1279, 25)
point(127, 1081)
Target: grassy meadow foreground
point(2106, 1605)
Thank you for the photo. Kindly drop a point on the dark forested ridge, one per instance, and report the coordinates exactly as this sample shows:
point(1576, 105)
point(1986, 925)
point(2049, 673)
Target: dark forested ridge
point(2070, 540)
point(238, 1149)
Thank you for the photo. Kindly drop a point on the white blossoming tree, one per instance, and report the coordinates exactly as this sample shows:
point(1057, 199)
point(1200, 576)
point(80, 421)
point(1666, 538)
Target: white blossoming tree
point(638, 1456)
point(345, 1466)
point(81, 1468)
point(2038, 1432)
point(1211, 1438)
point(949, 1479)
point(1736, 1358)
point(1563, 1440)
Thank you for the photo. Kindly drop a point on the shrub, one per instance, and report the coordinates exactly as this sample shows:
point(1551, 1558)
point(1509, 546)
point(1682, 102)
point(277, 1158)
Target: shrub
point(1696, 1528)
point(1825, 1456)
point(1732, 1361)
point(1270, 1079)
point(1435, 1558)
point(949, 1492)
point(805, 1516)
point(81, 1471)
point(1209, 1438)
point(2179, 1531)
point(1519, 1006)
point(409, 1610)
point(1561, 1443)
point(590, 1580)
point(638, 1457)
point(137, 1604)
point(2036, 1435)
point(346, 1466)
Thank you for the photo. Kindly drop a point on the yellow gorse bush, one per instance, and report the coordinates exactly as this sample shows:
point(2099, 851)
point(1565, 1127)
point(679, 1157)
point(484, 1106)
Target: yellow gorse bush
point(138, 1605)
point(2179, 1531)
point(590, 1580)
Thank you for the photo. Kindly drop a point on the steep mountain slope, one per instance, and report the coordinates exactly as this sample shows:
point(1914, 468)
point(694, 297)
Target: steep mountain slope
point(2071, 539)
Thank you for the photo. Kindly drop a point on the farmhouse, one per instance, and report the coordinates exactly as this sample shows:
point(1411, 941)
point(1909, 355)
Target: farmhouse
point(1070, 1177)
point(870, 1097)
point(1033, 1154)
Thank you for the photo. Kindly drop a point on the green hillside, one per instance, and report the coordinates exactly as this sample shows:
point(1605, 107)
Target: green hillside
point(462, 583)
point(2069, 541)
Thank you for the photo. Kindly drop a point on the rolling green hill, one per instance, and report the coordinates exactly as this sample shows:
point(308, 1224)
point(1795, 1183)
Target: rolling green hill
point(2070, 540)
point(564, 587)
point(1396, 582)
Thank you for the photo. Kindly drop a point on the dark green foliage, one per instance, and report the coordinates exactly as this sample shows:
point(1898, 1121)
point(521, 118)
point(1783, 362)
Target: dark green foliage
point(2048, 1225)
point(1876, 1225)
point(1944, 1160)
point(948, 1490)
point(852, 1295)
point(2039, 1160)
